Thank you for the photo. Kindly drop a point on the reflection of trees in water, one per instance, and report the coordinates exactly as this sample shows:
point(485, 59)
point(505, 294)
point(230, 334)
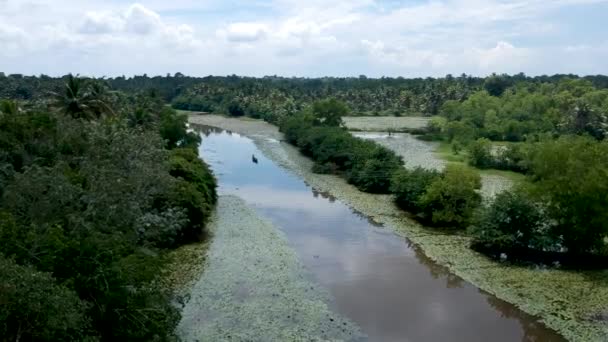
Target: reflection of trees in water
point(316, 193)
point(534, 331)
point(207, 130)
point(452, 281)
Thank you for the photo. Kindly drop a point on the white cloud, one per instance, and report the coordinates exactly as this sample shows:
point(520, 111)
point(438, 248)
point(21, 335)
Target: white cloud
point(244, 32)
point(292, 37)
point(141, 20)
point(502, 54)
point(101, 22)
point(12, 39)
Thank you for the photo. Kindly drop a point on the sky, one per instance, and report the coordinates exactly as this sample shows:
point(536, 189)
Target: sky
point(312, 38)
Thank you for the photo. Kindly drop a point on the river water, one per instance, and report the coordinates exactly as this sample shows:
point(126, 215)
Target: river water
point(376, 278)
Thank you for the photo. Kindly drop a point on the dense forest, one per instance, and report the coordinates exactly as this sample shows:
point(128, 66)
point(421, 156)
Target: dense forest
point(271, 97)
point(96, 186)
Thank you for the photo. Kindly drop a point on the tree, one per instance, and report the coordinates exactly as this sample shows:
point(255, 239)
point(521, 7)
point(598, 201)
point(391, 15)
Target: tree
point(480, 153)
point(329, 112)
point(452, 198)
point(409, 185)
point(496, 85)
point(36, 308)
point(235, 109)
point(512, 220)
point(82, 98)
point(570, 174)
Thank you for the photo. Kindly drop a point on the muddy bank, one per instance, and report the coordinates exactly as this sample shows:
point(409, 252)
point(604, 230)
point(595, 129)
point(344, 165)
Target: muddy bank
point(254, 288)
point(568, 302)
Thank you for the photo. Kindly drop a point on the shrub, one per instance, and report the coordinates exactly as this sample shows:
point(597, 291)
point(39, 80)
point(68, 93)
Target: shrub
point(512, 220)
point(365, 164)
point(173, 130)
point(409, 185)
point(36, 308)
point(452, 198)
point(235, 109)
point(570, 175)
point(480, 153)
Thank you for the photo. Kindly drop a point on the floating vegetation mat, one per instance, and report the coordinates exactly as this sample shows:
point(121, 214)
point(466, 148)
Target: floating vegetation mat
point(255, 289)
point(572, 303)
point(384, 123)
point(416, 152)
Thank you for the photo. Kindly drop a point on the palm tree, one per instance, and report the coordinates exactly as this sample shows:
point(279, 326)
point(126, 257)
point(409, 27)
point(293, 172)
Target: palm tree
point(83, 99)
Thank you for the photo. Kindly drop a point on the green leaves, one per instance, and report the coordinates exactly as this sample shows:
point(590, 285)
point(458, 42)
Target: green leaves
point(409, 185)
point(36, 308)
point(96, 203)
point(571, 176)
point(452, 198)
point(364, 164)
point(512, 221)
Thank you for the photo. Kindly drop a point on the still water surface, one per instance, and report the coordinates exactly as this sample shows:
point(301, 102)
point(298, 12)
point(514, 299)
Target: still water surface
point(377, 279)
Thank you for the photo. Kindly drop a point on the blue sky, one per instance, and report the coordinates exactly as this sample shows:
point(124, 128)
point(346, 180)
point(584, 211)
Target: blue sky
point(304, 38)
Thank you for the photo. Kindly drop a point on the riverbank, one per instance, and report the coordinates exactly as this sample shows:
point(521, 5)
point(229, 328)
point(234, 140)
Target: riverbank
point(254, 288)
point(569, 302)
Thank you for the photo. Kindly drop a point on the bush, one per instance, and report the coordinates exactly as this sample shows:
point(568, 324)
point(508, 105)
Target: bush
point(173, 130)
point(235, 109)
point(36, 308)
point(570, 176)
point(452, 198)
point(512, 221)
point(365, 164)
point(409, 185)
point(96, 204)
point(480, 153)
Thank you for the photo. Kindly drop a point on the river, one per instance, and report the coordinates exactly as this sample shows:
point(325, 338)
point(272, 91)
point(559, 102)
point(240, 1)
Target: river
point(376, 278)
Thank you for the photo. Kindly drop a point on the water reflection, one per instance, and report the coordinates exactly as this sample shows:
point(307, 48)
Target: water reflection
point(379, 280)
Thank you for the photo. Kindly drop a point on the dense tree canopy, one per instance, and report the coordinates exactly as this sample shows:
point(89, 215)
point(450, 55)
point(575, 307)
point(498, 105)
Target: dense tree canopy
point(94, 189)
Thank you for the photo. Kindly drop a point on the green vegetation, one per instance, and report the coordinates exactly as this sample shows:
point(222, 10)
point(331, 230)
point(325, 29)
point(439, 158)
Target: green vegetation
point(271, 299)
point(448, 198)
point(317, 133)
point(409, 186)
point(511, 221)
point(570, 302)
point(98, 181)
point(568, 173)
point(562, 208)
point(452, 198)
point(93, 194)
point(522, 112)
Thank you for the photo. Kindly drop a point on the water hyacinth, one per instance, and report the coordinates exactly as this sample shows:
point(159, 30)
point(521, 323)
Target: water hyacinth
point(572, 303)
point(383, 123)
point(255, 289)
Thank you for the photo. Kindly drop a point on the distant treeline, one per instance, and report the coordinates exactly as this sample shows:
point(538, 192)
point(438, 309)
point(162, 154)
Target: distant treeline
point(96, 186)
point(272, 97)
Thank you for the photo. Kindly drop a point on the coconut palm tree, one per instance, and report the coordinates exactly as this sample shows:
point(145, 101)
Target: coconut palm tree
point(83, 99)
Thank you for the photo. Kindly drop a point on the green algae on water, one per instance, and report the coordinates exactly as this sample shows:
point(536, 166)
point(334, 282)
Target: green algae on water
point(255, 289)
point(565, 301)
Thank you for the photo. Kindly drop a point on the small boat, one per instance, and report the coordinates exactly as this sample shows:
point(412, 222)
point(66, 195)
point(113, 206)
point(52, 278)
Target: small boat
point(254, 159)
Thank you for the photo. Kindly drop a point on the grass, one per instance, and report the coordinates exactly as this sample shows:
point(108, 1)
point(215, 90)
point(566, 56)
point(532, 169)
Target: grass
point(445, 152)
